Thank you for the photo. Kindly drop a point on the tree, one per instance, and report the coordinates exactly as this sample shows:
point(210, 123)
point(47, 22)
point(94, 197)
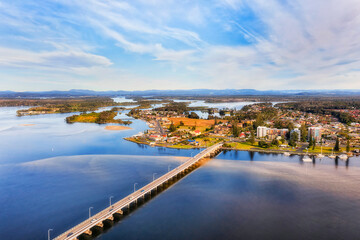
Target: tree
point(264, 144)
point(293, 139)
point(172, 127)
point(290, 126)
point(348, 145)
point(275, 142)
point(304, 132)
point(314, 144)
point(310, 141)
point(337, 145)
point(235, 130)
point(252, 137)
point(259, 121)
point(193, 115)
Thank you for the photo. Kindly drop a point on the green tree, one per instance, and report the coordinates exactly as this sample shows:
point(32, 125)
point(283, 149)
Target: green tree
point(275, 142)
point(235, 130)
point(304, 133)
point(193, 115)
point(172, 127)
point(348, 145)
point(264, 144)
point(259, 121)
point(290, 126)
point(293, 139)
point(337, 145)
point(314, 144)
point(310, 141)
point(252, 137)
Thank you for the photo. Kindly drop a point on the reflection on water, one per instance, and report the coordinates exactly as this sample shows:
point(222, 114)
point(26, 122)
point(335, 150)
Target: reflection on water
point(44, 183)
point(57, 192)
point(231, 199)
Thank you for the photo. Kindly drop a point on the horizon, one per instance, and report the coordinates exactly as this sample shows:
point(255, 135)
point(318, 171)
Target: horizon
point(189, 89)
point(227, 44)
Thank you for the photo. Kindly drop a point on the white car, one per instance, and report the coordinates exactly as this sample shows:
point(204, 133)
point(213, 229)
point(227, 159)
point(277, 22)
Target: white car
point(93, 220)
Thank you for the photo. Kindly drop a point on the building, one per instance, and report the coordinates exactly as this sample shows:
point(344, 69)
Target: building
point(261, 132)
point(274, 133)
point(314, 132)
point(296, 130)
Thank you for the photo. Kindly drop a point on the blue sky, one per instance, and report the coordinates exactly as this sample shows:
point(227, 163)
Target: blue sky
point(172, 44)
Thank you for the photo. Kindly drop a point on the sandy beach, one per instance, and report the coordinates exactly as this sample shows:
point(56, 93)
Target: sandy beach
point(117, 128)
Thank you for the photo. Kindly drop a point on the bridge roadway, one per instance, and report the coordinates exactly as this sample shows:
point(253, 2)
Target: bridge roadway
point(107, 213)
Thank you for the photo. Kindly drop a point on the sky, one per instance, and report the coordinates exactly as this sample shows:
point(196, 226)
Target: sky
point(179, 44)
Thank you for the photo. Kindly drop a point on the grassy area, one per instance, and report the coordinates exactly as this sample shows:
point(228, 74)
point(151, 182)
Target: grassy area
point(249, 146)
point(326, 150)
point(182, 146)
point(242, 145)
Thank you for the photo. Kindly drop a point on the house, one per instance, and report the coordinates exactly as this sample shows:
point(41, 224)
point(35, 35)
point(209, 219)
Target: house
point(155, 137)
point(195, 133)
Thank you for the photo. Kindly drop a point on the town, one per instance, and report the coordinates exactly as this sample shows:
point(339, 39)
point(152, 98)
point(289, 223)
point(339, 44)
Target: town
point(256, 127)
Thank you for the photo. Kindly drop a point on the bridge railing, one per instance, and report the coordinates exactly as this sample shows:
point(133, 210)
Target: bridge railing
point(104, 214)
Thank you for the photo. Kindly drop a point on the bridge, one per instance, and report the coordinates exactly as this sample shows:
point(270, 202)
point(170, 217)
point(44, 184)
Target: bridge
point(125, 203)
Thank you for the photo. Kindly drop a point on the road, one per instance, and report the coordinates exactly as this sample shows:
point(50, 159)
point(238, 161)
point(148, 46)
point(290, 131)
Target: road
point(108, 212)
point(159, 128)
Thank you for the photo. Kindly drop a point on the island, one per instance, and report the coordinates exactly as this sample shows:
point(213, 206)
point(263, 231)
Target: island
point(97, 117)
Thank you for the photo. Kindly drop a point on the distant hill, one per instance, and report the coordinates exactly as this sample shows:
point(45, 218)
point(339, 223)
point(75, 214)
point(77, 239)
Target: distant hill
point(192, 92)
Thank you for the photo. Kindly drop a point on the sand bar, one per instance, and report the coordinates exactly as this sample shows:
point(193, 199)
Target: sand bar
point(117, 128)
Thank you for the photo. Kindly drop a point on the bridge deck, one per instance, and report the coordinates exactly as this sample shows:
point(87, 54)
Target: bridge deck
point(108, 212)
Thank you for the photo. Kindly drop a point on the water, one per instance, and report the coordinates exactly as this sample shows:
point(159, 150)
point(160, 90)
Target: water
point(221, 105)
point(52, 172)
point(234, 198)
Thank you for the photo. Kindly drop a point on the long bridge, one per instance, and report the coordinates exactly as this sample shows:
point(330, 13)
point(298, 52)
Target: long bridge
point(118, 207)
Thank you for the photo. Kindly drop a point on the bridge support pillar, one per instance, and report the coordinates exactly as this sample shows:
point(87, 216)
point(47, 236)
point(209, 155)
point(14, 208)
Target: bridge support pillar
point(100, 224)
point(88, 232)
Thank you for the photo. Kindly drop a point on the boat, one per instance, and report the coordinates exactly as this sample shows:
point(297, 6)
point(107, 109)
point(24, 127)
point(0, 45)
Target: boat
point(286, 154)
point(332, 154)
point(343, 157)
point(320, 155)
point(306, 158)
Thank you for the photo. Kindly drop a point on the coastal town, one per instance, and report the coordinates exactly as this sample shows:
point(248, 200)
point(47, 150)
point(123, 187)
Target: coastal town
point(256, 127)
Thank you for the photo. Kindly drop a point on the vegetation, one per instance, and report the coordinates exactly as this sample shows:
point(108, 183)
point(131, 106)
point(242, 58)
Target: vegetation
point(172, 127)
point(99, 118)
point(332, 107)
point(293, 139)
point(193, 115)
point(337, 145)
point(63, 105)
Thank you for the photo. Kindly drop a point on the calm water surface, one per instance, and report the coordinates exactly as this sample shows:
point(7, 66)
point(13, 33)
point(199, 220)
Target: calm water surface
point(52, 172)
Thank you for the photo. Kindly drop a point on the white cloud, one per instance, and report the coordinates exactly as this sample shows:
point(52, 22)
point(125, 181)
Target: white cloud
point(52, 60)
point(226, 43)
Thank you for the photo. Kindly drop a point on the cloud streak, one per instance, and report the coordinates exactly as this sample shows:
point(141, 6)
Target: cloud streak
point(218, 43)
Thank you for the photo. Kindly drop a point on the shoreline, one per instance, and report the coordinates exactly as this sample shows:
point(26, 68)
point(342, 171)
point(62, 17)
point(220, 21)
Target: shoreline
point(237, 149)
